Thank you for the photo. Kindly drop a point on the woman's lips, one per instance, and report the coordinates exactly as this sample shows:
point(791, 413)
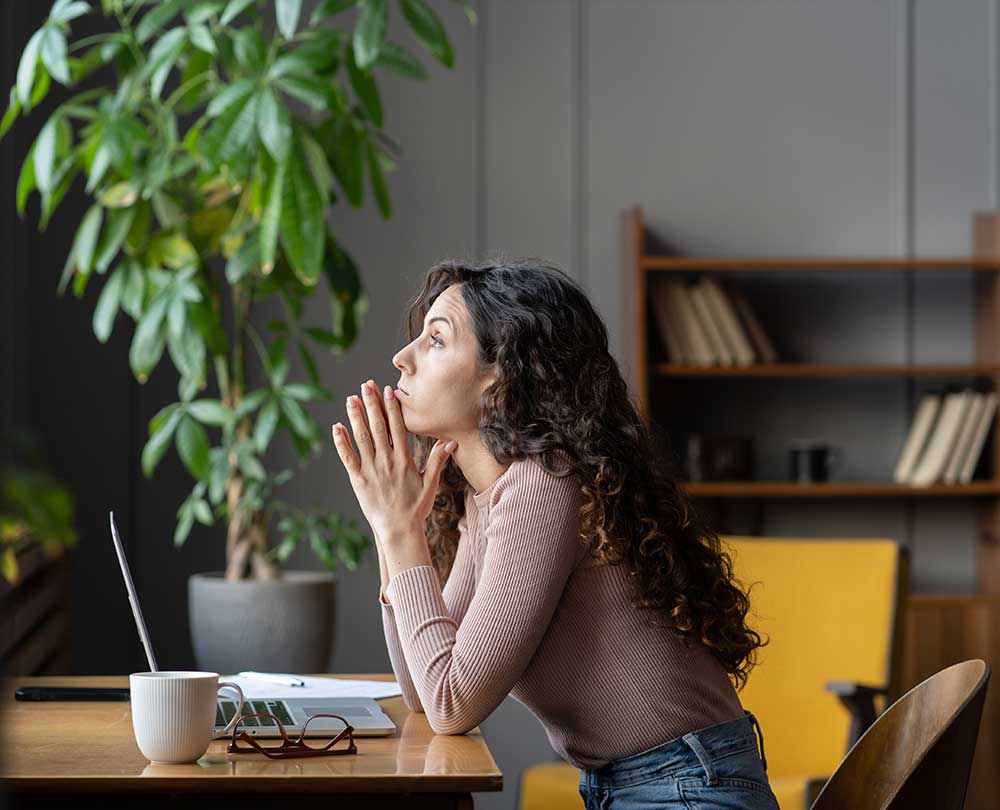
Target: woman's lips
point(401, 390)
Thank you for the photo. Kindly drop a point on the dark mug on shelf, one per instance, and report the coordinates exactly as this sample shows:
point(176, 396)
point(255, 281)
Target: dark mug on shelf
point(719, 458)
point(813, 462)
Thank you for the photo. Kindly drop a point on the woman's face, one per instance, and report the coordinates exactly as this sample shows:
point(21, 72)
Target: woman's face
point(441, 384)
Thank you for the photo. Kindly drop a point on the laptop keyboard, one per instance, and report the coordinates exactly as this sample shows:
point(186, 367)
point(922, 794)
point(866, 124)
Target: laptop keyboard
point(225, 710)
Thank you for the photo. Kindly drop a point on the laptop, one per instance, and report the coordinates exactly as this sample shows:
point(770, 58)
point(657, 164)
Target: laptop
point(363, 713)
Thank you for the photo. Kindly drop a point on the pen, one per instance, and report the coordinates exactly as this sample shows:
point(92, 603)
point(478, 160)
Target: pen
point(273, 677)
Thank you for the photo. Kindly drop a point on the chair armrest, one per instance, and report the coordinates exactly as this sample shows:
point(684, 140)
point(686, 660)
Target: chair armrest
point(859, 699)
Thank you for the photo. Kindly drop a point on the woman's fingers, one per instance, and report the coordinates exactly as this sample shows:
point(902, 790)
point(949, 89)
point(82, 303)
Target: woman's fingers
point(376, 418)
point(397, 428)
point(361, 434)
point(344, 449)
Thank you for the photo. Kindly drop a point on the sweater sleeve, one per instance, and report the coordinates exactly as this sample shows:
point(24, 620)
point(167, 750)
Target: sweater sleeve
point(457, 595)
point(462, 672)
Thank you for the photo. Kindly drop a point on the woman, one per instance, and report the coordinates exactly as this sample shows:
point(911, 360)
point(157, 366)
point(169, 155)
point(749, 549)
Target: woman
point(576, 576)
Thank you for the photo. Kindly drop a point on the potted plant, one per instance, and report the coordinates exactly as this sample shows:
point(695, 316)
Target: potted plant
point(212, 137)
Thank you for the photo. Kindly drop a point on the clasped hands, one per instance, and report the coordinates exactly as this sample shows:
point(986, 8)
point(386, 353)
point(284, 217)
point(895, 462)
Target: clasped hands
point(395, 496)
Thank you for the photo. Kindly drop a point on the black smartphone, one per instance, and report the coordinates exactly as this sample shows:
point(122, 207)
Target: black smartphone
point(71, 693)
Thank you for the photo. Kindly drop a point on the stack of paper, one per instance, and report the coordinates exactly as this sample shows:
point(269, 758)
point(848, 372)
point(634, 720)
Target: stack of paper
point(314, 687)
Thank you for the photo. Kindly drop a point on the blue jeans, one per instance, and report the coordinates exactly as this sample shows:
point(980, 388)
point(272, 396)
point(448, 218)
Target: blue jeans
point(714, 768)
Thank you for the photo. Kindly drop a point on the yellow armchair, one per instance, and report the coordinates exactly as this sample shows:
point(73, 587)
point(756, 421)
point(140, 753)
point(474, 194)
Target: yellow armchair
point(833, 610)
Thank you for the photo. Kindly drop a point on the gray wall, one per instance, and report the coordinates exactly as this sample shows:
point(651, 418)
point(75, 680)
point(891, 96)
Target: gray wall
point(769, 127)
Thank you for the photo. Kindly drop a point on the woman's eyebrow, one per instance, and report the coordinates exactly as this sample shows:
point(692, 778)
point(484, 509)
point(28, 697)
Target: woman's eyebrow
point(440, 318)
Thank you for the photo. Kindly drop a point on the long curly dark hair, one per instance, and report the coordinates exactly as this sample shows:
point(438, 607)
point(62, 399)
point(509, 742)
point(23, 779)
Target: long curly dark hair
point(560, 398)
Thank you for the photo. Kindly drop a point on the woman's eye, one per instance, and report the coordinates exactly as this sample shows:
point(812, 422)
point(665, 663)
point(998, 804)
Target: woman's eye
point(435, 341)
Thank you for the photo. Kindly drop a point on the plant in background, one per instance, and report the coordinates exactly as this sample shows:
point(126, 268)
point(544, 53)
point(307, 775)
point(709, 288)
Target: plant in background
point(34, 506)
point(212, 138)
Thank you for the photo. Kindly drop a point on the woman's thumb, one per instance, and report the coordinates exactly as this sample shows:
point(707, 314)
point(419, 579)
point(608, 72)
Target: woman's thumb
point(439, 457)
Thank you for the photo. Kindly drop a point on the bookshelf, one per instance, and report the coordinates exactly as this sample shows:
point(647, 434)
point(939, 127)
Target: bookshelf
point(985, 371)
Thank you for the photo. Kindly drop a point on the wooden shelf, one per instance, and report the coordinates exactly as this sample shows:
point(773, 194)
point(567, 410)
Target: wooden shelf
point(836, 489)
point(827, 370)
point(683, 264)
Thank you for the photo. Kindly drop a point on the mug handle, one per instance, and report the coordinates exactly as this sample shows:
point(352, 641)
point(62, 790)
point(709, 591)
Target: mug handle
point(236, 717)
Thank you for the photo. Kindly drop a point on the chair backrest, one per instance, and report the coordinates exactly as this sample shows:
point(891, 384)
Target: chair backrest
point(832, 611)
point(918, 753)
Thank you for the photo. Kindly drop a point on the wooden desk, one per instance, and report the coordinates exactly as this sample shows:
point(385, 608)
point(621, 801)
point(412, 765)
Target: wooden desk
point(74, 754)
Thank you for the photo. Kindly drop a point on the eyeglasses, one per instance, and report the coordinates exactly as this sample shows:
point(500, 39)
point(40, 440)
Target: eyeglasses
point(288, 747)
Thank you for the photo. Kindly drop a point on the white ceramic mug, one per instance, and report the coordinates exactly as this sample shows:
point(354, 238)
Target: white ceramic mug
point(173, 713)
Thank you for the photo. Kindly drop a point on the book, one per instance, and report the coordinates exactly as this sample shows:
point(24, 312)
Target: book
point(732, 331)
point(691, 325)
point(666, 323)
point(763, 346)
point(720, 351)
point(675, 307)
point(920, 430)
point(934, 459)
point(978, 438)
point(965, 435)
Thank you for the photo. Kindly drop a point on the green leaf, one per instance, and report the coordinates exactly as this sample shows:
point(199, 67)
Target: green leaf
point(308, 91)
point(107, 305)
point(53, 50)
point(428, 28)
point(85, 243)
point(134, 290)
point(274, 125)
point(272, 217)
point(309, 362)
point(369, 33)
point(234, 9)
point(25, 181)
point(64, 11)
point(378, 182)
point(158, 443)
point(185, 520)
point(192, 446)
point(210, 412)
point(120, 195)
point(286, 13)
point(119, 222)
point(401, 61)
point(149, 340)
point(64, 175)
point(348, 301)
point(102, 159)
point(10, 116)
point(26, 68)
point(201, 38)
point(342, 145)
point(304, 392)
point(267, 421)
point(300, 421)
point(159, 15)
point(231, 132)
point(229, 96)
point(318, 166)
point(328, 8)
point(45, 155)
point(203, 513)
point(250, 49)
point(162, 58)
point(365, 89)
point(302, 220)
point(172, 250)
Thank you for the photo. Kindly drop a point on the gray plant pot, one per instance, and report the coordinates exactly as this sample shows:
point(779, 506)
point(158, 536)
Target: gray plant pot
point(284, 625)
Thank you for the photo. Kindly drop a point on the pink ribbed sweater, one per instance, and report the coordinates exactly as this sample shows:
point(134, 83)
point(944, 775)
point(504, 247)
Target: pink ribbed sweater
point(526, 611)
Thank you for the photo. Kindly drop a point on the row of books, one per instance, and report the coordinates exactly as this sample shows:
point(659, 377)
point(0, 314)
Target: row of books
point(704, 324)
point(946, 438)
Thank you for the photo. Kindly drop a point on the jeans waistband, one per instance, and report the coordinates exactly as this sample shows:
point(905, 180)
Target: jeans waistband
point(695, 748)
